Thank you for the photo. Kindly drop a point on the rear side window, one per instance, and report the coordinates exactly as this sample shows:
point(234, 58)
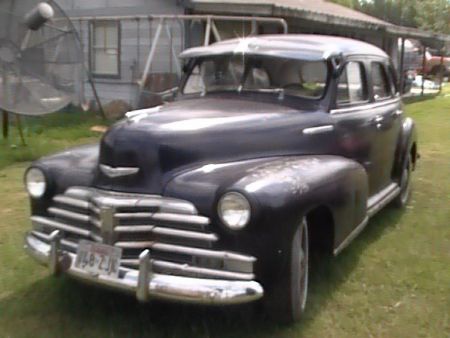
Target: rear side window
point(352, 85)
point(380, 82)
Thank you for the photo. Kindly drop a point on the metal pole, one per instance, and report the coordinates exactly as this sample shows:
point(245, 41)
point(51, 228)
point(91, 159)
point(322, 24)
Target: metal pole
point(424, 60)
point(94, 91)
point(19, 127)
point(207, 32)
point(151, 55)
point(215, 31)
point(402, 65)
point(279, 21)
point(441, 69)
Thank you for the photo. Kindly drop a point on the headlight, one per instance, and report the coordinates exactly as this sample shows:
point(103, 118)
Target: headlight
point(35, 182)
point(234, 210)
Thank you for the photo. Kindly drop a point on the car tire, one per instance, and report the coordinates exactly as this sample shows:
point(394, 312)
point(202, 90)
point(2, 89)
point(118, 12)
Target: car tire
point(287, 304)
point(405, 185)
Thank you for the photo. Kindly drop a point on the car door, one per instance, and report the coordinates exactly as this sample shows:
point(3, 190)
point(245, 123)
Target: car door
point(353, 118)
point(386, 122)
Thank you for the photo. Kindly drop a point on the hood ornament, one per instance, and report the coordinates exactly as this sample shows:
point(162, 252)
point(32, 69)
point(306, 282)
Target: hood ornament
point(118, 171)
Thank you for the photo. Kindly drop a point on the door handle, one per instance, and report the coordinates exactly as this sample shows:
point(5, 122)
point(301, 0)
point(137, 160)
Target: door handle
point(376, 121)
point(397, 113)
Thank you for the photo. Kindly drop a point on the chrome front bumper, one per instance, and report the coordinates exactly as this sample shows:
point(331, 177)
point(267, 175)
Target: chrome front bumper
point(142, 282)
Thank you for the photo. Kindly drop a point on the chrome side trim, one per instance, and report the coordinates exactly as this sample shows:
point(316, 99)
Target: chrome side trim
point(382, 198)
point(318, 130)
point(374, 204)
point(147, 285)
point(117, 172)
point(364, 106)
point(351, 236)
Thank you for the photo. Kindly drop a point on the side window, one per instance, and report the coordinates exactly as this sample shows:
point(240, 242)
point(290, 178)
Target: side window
point(194, 83)
point(352, 85)
point(393, 79)
point(380, 82)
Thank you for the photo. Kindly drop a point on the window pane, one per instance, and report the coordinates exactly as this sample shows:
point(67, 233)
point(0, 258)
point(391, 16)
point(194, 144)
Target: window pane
point(194, 83)
point(105, 48)
point(351, 84)
point(292, 77)
point(106, 62)
point(380, 82)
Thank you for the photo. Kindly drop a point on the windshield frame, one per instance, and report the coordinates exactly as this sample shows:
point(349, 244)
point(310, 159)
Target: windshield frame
point(279, 92)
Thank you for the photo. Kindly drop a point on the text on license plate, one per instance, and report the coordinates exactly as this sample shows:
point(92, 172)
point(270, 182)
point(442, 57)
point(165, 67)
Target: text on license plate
point(98, 259)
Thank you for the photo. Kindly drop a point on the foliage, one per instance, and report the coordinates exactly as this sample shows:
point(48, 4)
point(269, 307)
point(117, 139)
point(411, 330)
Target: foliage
point(426, 14)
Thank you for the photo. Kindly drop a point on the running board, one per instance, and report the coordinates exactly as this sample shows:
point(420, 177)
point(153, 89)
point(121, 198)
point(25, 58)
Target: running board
point(382, 198)
point(374, 204)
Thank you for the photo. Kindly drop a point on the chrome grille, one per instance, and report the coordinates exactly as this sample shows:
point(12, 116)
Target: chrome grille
point(179, 239)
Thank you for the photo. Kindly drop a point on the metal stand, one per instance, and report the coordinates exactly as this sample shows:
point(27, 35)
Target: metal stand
point(6, 127)
point(5, 124)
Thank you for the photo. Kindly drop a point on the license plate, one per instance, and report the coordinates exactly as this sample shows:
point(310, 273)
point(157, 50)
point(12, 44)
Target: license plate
point(98, 259)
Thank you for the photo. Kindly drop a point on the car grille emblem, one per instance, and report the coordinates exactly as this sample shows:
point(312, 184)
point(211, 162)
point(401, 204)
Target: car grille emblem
point(118, 172)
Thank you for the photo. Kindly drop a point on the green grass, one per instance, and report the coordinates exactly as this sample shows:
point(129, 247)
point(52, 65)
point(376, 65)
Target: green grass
point(392, 281)
point(45, 135)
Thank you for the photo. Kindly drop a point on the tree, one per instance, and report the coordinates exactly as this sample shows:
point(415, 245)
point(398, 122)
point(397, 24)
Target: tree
point(431, 15)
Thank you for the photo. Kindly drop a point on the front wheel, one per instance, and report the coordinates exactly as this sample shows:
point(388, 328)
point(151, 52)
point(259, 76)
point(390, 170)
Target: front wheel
point(289, 300)
point(405, 185)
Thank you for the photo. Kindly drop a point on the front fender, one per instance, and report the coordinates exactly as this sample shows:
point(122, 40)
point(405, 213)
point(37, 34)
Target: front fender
point(281, 190)
point(75, 166)
point(407, 138)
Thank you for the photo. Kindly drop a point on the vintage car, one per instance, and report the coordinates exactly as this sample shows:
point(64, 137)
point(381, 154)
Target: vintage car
point(274, 146)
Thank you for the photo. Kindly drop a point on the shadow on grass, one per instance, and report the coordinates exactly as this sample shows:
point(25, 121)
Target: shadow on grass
point(64, 307)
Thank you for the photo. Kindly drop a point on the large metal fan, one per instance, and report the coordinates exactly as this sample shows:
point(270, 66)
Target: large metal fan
point(41, 63)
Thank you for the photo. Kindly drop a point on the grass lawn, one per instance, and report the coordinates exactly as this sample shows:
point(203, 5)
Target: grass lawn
point(392, 281)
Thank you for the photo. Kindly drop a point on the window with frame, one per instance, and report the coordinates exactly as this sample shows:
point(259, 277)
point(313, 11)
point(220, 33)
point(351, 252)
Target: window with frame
point(105, 48)
point(352, 85)
point(380, 82)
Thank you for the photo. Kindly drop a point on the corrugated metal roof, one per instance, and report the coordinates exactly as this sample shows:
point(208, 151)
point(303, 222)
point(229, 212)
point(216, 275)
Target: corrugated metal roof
point(320, 11)
point(312, 6)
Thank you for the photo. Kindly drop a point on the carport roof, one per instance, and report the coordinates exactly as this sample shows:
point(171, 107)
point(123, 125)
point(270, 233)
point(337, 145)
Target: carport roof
point(314, 10)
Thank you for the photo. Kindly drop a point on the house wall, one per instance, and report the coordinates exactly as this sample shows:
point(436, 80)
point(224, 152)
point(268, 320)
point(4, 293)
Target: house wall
point(136, 37)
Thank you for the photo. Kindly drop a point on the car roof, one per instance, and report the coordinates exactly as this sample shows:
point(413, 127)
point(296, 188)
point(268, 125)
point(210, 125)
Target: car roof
point(297, 46)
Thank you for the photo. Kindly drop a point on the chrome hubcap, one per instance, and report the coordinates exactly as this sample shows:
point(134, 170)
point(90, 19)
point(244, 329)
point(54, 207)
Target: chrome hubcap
point(405, 187)
point(304, 266)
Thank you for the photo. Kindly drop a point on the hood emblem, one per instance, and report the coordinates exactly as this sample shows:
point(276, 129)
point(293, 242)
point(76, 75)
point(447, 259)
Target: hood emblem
point(118, 171)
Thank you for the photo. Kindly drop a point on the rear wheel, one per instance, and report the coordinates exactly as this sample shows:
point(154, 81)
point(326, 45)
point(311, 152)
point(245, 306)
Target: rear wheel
point(288, 302)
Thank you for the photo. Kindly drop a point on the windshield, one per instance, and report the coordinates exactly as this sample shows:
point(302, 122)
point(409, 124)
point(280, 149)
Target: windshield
point(293, 77)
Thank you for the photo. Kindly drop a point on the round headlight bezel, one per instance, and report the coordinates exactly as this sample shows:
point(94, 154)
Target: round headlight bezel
point(36, 182)
point(239, 200)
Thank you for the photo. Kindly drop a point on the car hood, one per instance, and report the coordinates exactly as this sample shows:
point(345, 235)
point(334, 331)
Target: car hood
point(168, 139)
